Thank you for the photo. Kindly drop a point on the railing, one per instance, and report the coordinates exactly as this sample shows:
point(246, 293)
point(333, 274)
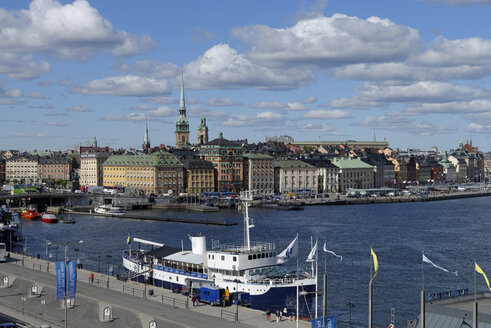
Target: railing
point(134, 291)
point(40, 267)
point(177, 303)
point(100, 282)
point(224, 314)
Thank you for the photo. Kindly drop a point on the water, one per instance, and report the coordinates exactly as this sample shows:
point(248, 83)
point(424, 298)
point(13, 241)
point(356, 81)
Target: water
point(452, 233)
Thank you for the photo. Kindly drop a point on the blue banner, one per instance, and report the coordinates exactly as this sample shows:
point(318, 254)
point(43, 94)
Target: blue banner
point(60, 281)
point(317, 323)
point(71, 268)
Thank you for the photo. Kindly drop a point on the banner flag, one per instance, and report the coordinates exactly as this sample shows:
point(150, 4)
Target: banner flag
point(375, 264)
point(71, 268)
point(478, 269)
point(60, 281)
point(313, 254)
point(331, 252)
point(128, 240)
point(427, 260)
point(290, 252)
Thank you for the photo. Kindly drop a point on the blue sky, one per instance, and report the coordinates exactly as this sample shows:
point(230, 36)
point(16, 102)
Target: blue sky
point(415, 72)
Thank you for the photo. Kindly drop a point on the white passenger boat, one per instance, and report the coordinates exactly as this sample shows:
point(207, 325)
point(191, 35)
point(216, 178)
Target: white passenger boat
point(249, 272)
point(109, 210)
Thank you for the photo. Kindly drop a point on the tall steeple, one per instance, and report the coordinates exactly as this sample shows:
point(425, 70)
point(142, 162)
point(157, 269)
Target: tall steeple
point(94, 143)
point(202, 131)
point(146, 140)
point(182, 124)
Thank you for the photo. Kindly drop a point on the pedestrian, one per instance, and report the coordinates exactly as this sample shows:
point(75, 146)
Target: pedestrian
point(277, 315)
point(268, 314)
point(92, 278)
point(197, 300)
point(194, 300)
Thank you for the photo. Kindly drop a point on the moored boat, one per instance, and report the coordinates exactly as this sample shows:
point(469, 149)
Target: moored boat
point(109, 210)
point(30, 214)
point(49, 218)
point(247, 272)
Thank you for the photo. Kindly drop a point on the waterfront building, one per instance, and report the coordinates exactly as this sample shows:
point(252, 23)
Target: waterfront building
point(259, 173)
point(199, 176)
point(227, 160)
point(327, 173)
point(384, 170)
point(449, 170)
point(91, 169)
point(146, 140)
point(156, 173)
point(473, 169)
point(22, 168)
point(54, 168)
point(202, 131)
point(487, 167)
point(182, 124)
point(2, 169)
point(294, 176)
point(423, 172)
point(349, 143)
point(354, 173)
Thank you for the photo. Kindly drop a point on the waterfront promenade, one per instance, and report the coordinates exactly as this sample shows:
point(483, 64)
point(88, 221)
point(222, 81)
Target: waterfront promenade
point(130, 303)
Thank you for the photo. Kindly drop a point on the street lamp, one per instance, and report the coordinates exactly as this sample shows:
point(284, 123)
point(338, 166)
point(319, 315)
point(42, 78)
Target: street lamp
point(66, 243)
point(76, 256)
point(237, 300)
point(350, 306)
point(107, 269)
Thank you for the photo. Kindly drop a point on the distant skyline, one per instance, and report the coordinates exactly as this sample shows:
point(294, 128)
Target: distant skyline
point(415, 72)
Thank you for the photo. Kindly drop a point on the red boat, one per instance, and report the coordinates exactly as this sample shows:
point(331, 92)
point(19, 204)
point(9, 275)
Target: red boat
point(30, 215)
point(49, 218)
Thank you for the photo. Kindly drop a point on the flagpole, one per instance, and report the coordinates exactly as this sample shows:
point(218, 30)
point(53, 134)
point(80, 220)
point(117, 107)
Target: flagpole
point(475, 319)
point(324, 295)
point(316, 275)
point(423, 294)
point(370, 295)
point(297, 287)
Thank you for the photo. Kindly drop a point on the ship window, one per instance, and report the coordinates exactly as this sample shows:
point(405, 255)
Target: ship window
point(250, 257)
point(254, 256)
point(235, 258)
point(223, 257)
point(267, 255)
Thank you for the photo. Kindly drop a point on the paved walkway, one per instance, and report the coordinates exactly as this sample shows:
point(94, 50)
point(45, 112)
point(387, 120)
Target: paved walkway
point(129, 301)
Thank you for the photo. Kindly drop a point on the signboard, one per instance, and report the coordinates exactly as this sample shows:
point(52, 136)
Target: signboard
point(60, 281)
point(329, 321)
point(71, 268)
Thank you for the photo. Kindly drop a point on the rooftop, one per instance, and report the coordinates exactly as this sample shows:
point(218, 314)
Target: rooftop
point(154, 159)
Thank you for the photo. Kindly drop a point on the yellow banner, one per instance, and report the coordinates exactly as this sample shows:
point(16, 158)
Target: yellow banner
point(375, 263)
point(479, 270)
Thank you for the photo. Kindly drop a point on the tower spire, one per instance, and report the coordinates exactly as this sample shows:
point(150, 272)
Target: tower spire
point(182, 104)
point(146, 140)
point(182, 124)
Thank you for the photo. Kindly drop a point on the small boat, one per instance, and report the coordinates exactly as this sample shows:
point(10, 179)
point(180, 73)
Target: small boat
point(67, 220)
point(110, 210)
point(30, 214)
point(49, 218)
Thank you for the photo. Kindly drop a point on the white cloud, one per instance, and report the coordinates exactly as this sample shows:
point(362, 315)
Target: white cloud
point(150, 113)
point(202, 34)
point(222, 102)
point(78, 109)
point(52, 123)
point(479, 128)
point(461, 2)
point(161, 100)
point(71, 31)
point(289, 106)
point(5, 92)
point(42, 107)
point(400, 122)
point(309, 100)
point(326, 114)
point(454, 107)
point(221, 67)
point(127, 85)
point(264, 118)
point(35, 95)
point(21, 67)
point(330, 41)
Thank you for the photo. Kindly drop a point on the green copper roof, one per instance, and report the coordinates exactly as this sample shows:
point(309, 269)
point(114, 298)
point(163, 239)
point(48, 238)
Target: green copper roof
point(257, 156)
point(155, 159)
point(286, 164)
point(350, 163)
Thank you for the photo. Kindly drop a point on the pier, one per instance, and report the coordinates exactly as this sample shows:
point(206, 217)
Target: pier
point(128, 303)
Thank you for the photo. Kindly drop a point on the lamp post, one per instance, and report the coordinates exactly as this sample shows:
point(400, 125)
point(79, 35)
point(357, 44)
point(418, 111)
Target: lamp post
point(99, 263)
point(237, 300)
point(66, 243)
point(76, 256)
point(305, 293)
point(350, 306)
point(107, 268)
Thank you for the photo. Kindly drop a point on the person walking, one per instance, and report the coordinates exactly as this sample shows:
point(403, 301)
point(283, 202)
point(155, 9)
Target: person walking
point(268, 314)
point(277, 315)
point(92, 278)
point(194, 300)
point(198, 299)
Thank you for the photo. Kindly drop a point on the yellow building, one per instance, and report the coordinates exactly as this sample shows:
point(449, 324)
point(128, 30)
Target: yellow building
point(156, 173)
point(199, 176)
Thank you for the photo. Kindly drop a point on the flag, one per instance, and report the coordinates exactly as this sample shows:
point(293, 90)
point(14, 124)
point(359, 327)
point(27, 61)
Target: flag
point(60, 281)
point(128, 240)
point(71, 274)
point(479, 270)
point(313, 254)
point(375, 263)
point(427, 260)
point(331, 252)
point(290, 252)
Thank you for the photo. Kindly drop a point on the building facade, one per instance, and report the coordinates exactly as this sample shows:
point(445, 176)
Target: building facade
point(2, 169)
point(182, 124)
point(156, 173)
point(259, 173)
point(199, 176)
point(22, 168)
point(354, 173)
point(54, 168)
point(202, 131)
point(91, 168)
point(227, 160)
point(294, 176)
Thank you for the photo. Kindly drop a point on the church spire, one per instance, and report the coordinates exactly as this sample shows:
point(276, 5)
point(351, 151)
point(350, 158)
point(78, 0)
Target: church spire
point(182, 124)
point(182, 104)
point(146, 140)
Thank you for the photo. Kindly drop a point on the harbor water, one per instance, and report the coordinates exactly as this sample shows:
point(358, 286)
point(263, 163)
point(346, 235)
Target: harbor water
point(452, 234)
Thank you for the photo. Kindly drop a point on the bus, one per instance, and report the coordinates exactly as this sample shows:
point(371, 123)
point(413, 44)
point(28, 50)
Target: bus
point(3, 252)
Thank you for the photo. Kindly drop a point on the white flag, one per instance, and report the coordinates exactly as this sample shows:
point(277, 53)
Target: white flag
point(427, 260)
point(313, 254)
point(331, 252)
point(290, 252)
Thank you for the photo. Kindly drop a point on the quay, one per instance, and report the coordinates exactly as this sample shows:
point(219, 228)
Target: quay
point(109, 302)
point(150, 218)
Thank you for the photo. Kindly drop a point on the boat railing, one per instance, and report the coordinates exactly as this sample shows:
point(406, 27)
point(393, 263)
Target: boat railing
point(272, 281)
point(239, 248)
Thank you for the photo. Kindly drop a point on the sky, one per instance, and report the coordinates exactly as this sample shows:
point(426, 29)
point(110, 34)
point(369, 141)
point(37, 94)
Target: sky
point(415, 73)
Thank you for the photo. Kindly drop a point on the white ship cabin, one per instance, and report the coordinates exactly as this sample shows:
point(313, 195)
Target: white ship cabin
point(234, 262)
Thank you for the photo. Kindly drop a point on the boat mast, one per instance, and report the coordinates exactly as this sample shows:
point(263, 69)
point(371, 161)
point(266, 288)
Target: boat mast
point(245, 197)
